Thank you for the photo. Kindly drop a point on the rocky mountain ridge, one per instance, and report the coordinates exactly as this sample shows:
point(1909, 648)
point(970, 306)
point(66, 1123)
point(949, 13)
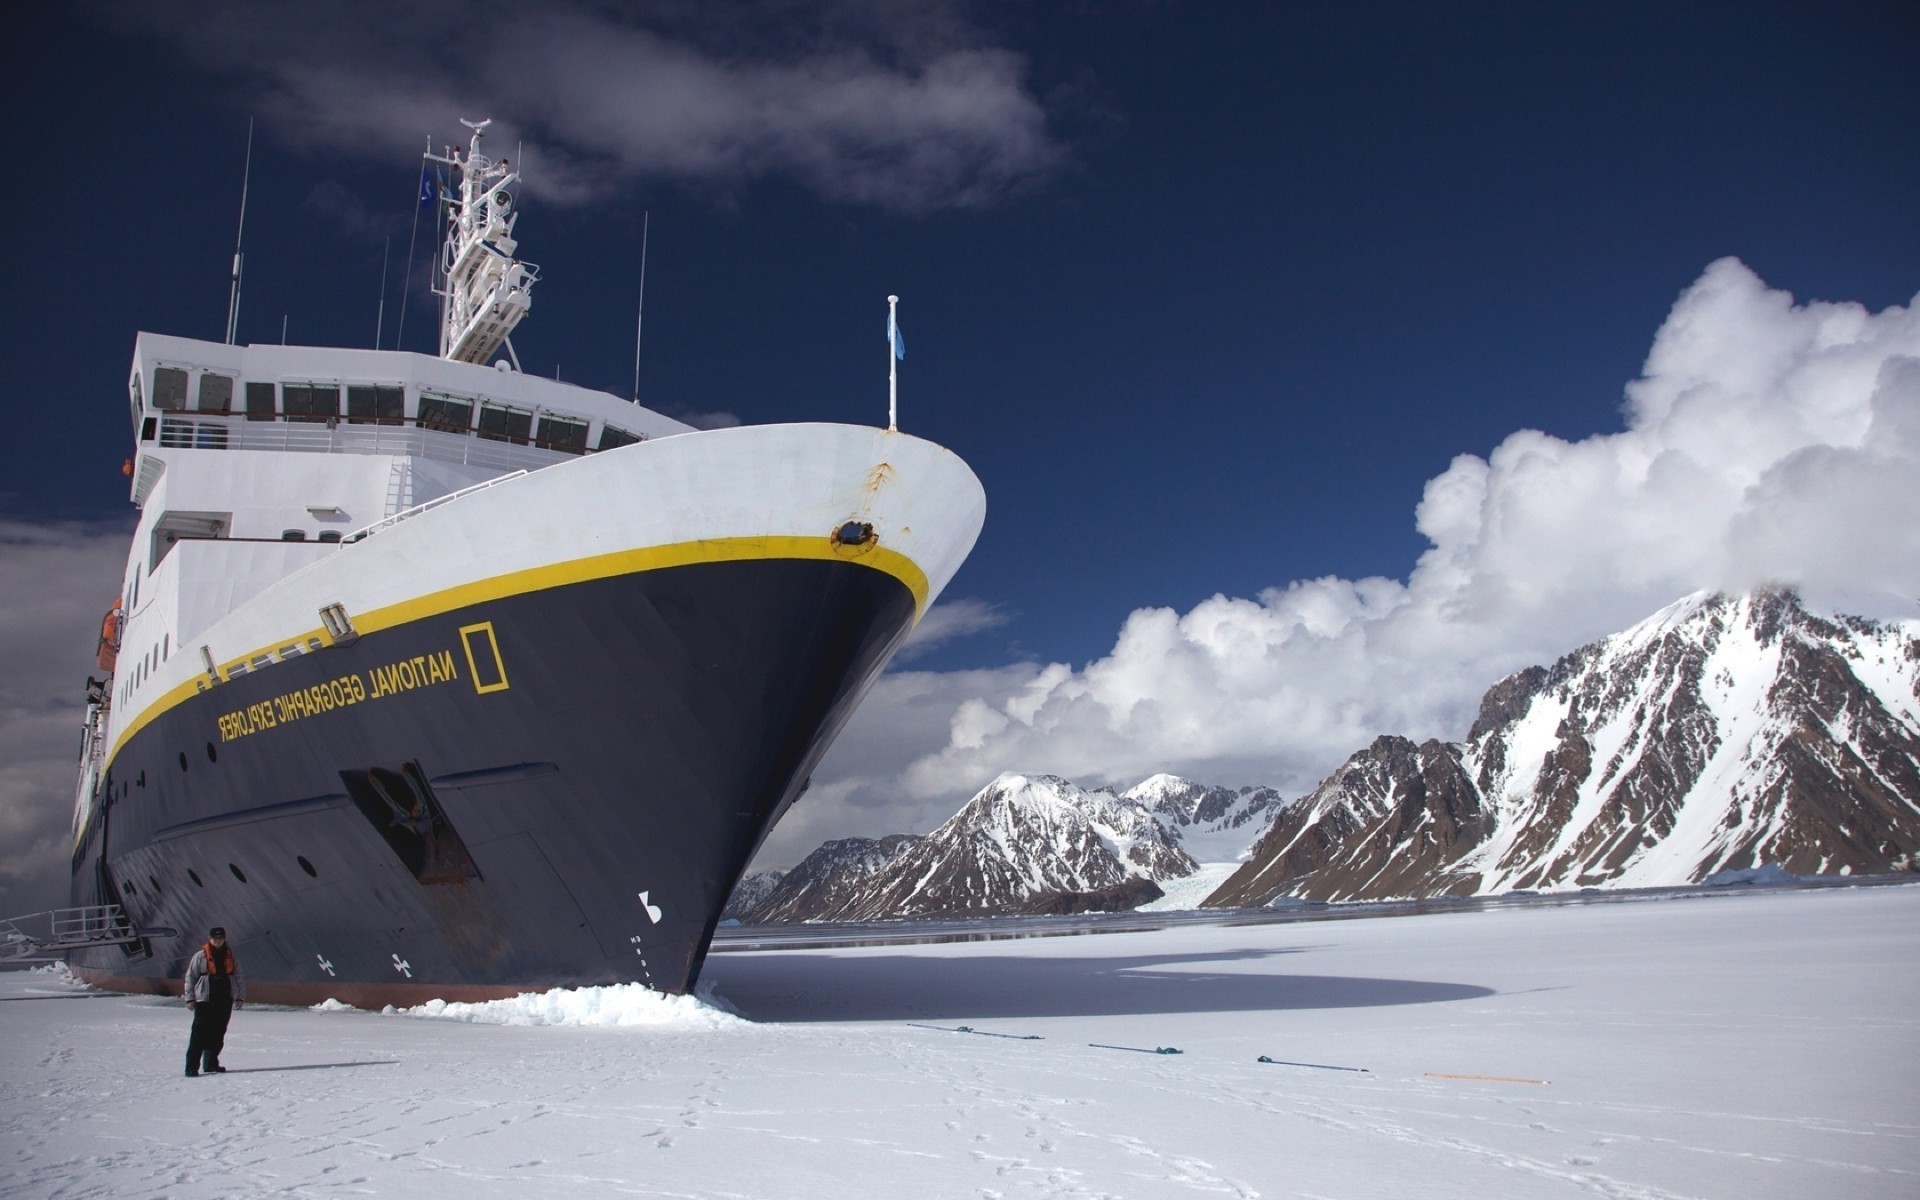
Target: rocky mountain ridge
point(1720, 734)
point(1022, 844)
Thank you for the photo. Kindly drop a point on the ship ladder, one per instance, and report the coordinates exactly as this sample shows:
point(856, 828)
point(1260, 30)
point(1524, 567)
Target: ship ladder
point(399, 487)
point(48, 936)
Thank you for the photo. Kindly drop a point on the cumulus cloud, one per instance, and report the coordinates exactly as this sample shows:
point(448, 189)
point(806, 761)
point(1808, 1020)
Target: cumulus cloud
point(55, 583)
point(1766, 442)
point(901, 106)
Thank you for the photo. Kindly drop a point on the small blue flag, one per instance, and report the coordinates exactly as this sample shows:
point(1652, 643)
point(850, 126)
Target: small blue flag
point(426, 186)
point(896, 337)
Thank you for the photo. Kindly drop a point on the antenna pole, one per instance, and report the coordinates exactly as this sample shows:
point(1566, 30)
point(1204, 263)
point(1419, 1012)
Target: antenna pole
point(233, 298)
point(419, 203)
point(893, 363)
point(639, 322)
point(380, 322)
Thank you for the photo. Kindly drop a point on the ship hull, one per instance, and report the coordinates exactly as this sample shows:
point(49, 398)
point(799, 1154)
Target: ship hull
point(545, 778)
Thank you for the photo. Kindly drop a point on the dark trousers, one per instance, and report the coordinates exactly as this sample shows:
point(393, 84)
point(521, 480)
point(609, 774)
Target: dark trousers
point(210, 1017)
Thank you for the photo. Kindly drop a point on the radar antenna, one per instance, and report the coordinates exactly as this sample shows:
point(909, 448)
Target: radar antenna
point(485, 290)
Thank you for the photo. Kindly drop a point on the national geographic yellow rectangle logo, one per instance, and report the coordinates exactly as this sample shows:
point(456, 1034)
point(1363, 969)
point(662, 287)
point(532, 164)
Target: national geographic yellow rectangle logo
point(484, 666)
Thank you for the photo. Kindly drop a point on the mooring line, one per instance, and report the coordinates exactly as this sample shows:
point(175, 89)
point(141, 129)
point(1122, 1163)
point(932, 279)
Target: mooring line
point(1484, 1078)
point(1281, 1062)
point(1012, 1037)
point(1136, 1049)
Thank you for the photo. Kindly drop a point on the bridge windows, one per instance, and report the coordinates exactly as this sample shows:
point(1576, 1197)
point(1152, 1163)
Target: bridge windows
point(558, 433)
point(612, 436)
point(216, 393)
point(310, 401)
point(169, 388)
point(380, 404)
point(502, 424)
point(445, 413)
point(260, 402)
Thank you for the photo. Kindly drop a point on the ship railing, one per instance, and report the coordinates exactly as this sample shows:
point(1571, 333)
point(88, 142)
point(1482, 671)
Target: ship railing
point(346, 435)
point(46, 936)
point(436, 502)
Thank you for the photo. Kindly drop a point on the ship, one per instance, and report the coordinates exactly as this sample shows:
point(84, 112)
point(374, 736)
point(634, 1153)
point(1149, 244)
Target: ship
point(432, 679)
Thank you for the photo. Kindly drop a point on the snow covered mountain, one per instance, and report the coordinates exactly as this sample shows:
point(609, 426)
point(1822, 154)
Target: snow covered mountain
point(1029, 844)
point(1213, 824)
point(1721, 733)
point(750, 892)
point(821, 886)
point(1023, 844)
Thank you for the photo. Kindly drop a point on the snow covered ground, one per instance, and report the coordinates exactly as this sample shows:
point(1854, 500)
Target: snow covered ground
point(1752, 1043)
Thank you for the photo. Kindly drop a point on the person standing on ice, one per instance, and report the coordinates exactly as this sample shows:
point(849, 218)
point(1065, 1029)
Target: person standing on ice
point(213, 990)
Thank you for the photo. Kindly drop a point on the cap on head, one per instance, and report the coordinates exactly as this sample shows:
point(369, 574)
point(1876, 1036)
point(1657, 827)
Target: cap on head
point(217, 931)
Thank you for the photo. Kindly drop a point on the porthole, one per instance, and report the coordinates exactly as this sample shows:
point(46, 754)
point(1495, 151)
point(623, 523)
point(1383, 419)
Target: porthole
point(237, 873)
point(155, 883)
point(212, 754)
point(183, 760)
point(142, 781)
point(195, 878)
point(306, 866)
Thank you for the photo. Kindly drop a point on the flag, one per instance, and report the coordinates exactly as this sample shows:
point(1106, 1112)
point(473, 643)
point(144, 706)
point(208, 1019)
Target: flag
point(426, 186)
point(894, 338)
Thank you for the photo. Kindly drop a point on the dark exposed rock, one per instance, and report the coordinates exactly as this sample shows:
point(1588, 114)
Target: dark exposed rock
point(1121, 897)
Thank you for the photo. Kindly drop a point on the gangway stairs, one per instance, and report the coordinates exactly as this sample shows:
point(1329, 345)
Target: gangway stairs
point(47, 936)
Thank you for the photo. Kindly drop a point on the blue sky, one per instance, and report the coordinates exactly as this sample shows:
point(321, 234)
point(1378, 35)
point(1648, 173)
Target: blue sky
point(1207, 294)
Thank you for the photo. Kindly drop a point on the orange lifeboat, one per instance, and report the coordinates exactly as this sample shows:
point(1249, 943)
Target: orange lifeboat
point(110, 638)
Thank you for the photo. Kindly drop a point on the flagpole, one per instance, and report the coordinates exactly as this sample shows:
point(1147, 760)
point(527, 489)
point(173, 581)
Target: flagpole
point(893, 368)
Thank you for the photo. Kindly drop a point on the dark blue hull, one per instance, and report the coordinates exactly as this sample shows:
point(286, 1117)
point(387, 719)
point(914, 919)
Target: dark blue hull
point(555, 788)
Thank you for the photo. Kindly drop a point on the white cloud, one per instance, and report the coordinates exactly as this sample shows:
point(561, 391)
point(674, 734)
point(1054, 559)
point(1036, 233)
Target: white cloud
point(1765, 442)
point(948, 620)
point(900, 106)
point(56, 581)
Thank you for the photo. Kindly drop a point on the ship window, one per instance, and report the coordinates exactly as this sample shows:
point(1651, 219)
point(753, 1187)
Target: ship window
point(191, 874)
point(169, 387)
point(212, 754)
point(237, 872)
point(260, 402)
point(379, 405)
point(329, 535)
point(133, 393)
point(305, 865)
point(444, 412)
point(557, 433)
point(505, 424)
point(310, 401)
point(155, 883)
point(183, 760)
point(216, 393)
point(210, 435)
point(293, 535)
point(612, 436)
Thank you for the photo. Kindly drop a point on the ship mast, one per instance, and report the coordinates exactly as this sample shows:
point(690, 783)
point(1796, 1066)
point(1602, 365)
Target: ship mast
point(485, 290)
